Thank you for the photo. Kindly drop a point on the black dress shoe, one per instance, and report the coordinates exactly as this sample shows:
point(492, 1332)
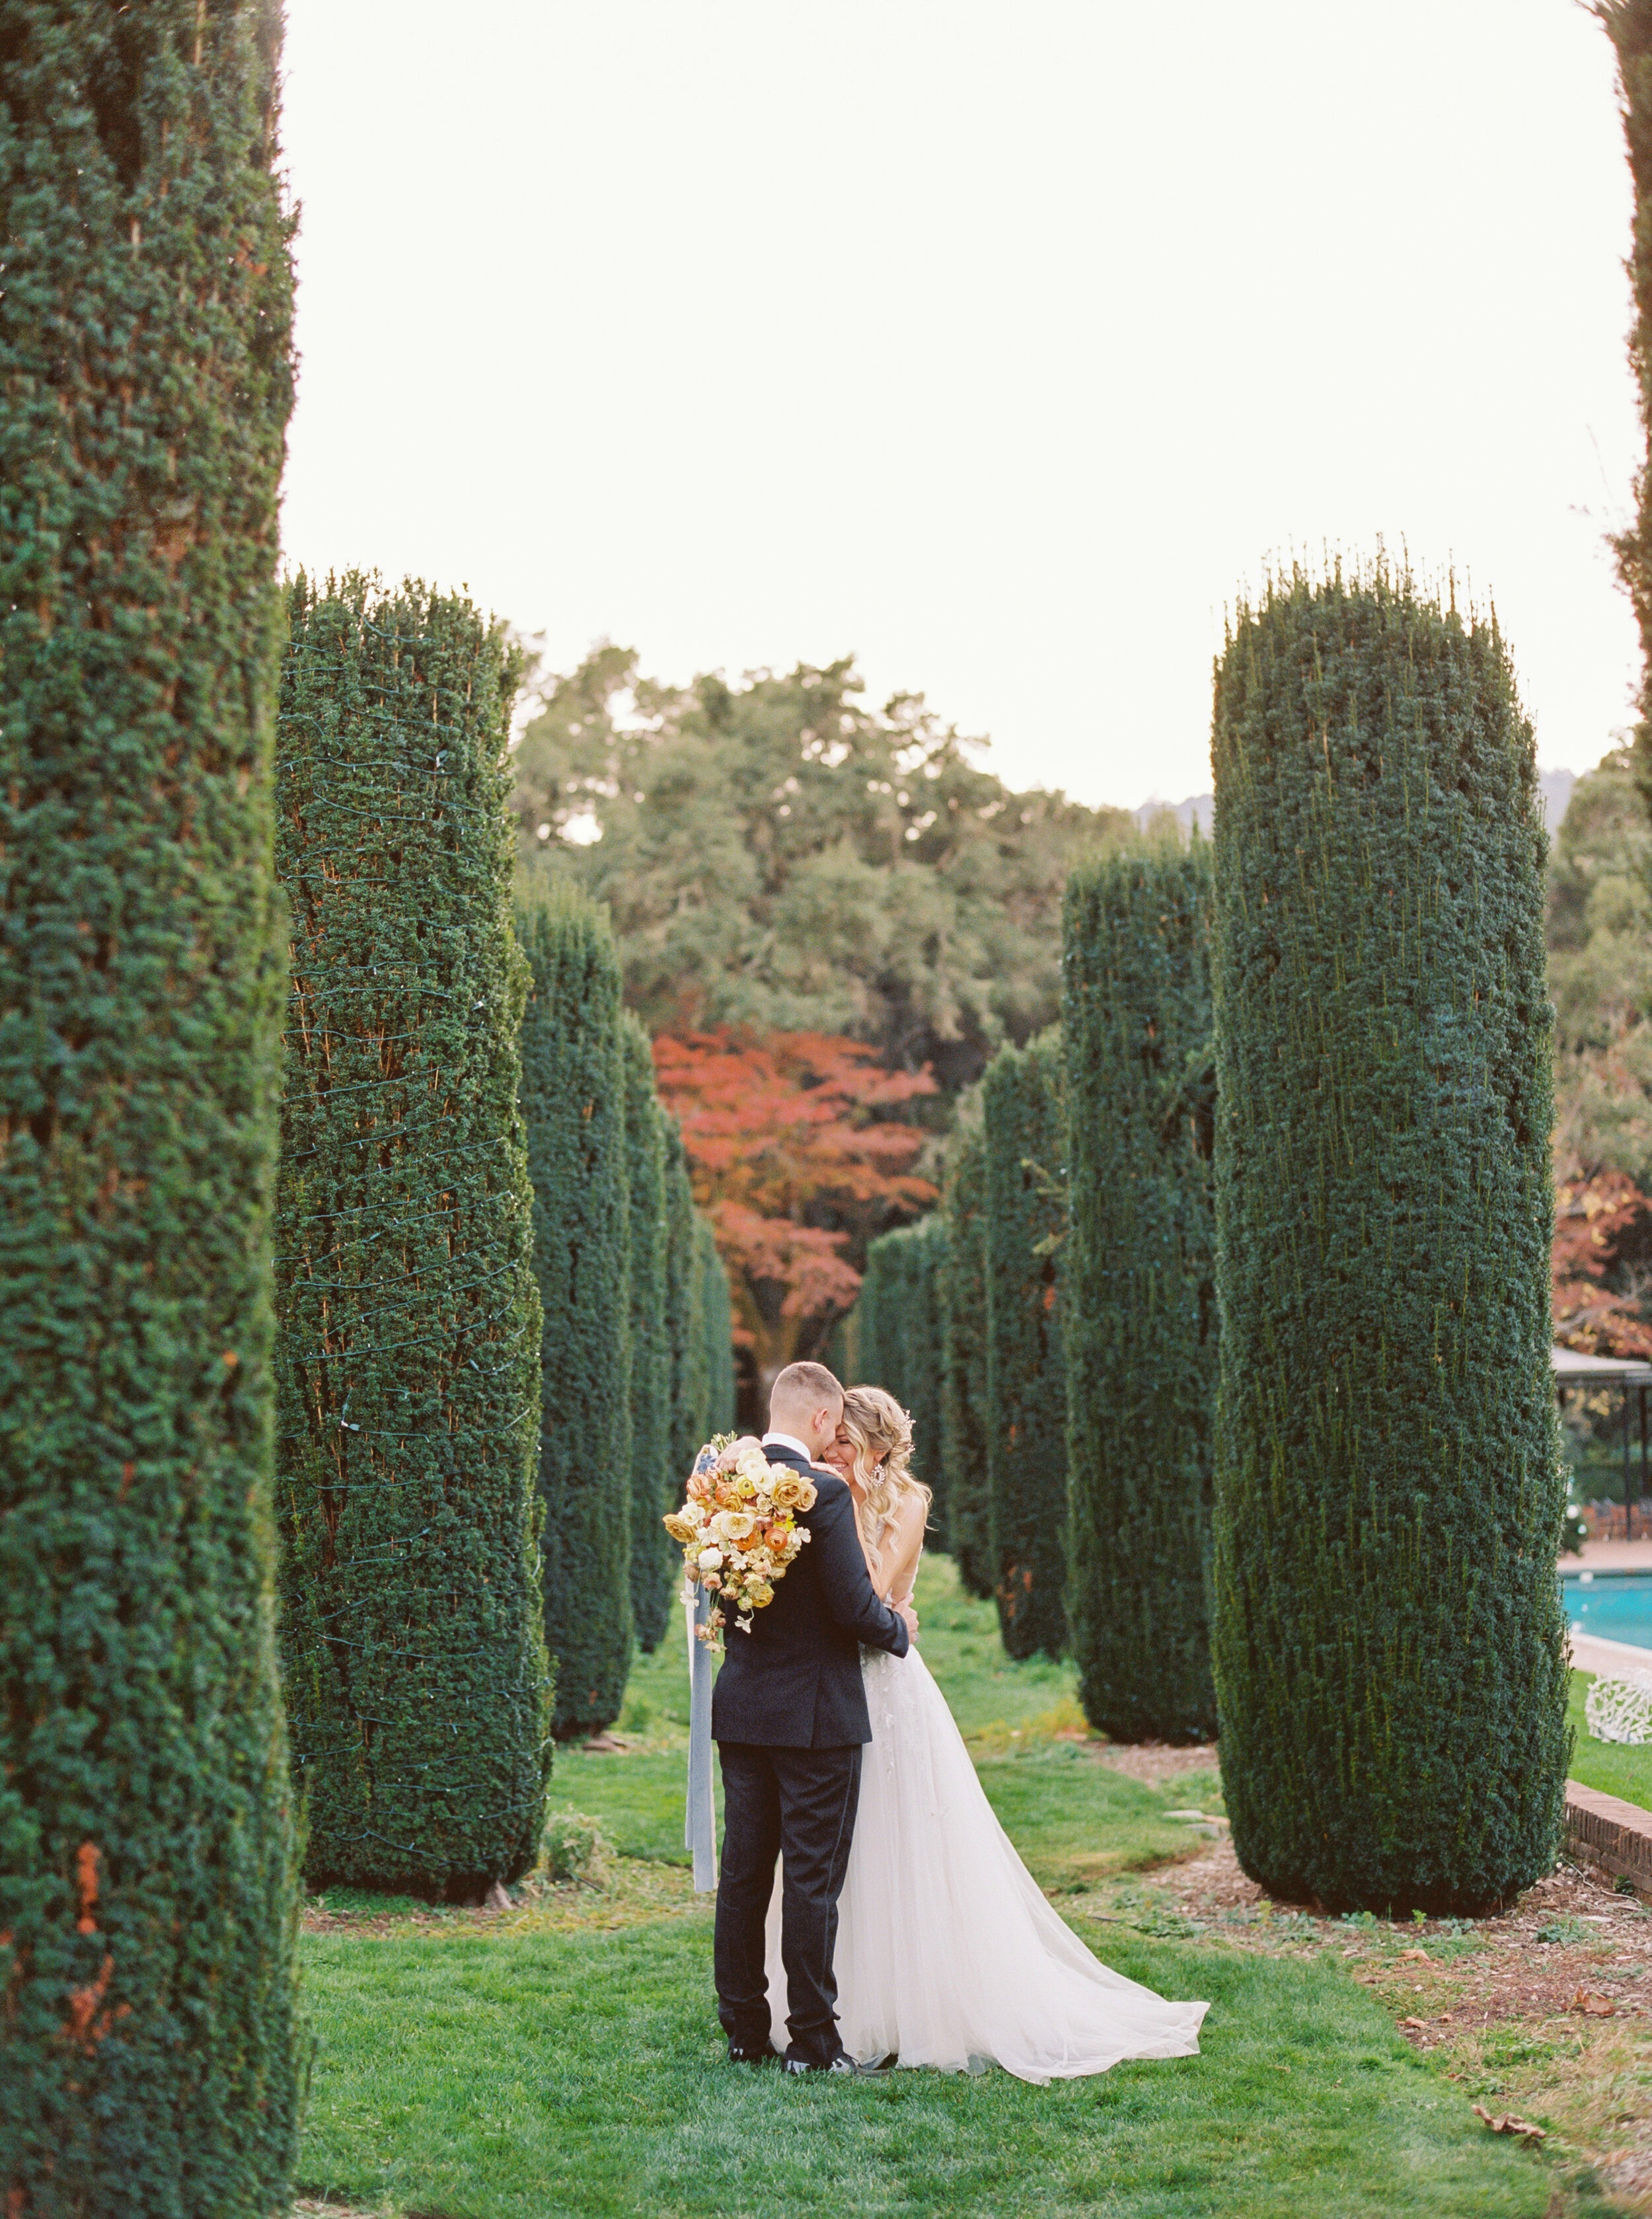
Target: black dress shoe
point(842, 2066)
point(738, 2056)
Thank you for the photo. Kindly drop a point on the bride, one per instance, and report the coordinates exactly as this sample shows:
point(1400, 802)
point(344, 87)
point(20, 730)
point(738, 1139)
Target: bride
point(947, 1953)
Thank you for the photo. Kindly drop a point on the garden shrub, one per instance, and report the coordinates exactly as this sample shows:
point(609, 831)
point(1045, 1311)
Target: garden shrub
point(899, 1342)
point(575, 1848)
point(1139, 1290)
point(961, 1302)
point(573, 1104)
point(409, 1343)
point(1025, 1371)
point(1389, 1642)
point(654, 1560)
point(147, 1888)
point(690, 1383)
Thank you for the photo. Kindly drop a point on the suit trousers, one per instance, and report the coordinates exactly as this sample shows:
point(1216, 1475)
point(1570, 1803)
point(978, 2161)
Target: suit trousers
point(797, 1805)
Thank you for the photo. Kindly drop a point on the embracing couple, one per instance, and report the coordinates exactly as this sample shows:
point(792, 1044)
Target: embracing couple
point(901, 1926)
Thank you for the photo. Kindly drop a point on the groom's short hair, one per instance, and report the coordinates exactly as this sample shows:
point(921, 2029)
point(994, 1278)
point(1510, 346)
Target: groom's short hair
point(803, 1382)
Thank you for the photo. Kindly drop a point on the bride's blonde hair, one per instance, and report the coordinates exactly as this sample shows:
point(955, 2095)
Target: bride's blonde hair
point(876, 1424)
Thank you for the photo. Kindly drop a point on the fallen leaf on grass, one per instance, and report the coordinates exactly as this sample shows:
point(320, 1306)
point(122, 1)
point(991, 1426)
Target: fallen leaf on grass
point(1506, 2123)
point(1413, 2022)
point(1423, 1954)
point(1593, 2006)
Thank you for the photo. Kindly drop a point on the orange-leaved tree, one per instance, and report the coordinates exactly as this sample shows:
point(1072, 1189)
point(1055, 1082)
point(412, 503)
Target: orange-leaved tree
point(1603, 1234)
point(797, 1160)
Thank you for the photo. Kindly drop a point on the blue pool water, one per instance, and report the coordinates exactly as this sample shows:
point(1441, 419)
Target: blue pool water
point(1612, 1606)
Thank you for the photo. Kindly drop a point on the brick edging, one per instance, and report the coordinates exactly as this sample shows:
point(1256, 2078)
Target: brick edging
point(1608, 1832)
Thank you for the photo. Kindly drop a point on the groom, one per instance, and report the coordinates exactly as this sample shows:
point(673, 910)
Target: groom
point(789, 1716)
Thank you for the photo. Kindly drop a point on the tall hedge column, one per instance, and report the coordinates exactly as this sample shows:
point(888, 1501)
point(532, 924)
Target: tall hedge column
point(146, 1882)
point(717, 1325)
point(1026, 1397)
point(655, 1562)
point(574, 1102)
point(1139, 1290)
point(961, 1289)
point(416, 1673)
point(691, 1378)
point(1389, 1645)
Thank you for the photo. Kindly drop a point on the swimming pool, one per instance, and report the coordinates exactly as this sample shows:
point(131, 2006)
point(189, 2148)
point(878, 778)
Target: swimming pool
point(1612, 1606)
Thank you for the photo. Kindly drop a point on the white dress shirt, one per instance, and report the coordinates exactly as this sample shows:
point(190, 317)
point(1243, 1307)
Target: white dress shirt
point(787, 1441)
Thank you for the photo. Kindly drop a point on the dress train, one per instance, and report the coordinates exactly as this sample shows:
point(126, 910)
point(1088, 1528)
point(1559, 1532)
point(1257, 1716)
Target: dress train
point(947, 1953)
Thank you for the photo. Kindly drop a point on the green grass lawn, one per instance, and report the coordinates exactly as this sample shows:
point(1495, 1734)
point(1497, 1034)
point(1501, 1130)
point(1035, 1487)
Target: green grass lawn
point(542, 2067)
point(1615, 1768)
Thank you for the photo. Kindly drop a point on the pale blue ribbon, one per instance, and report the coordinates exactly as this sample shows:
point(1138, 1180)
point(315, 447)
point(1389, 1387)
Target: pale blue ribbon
point(699, 1827)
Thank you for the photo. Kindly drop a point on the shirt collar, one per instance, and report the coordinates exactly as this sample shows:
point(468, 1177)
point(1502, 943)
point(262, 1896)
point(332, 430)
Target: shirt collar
point(787, 1441)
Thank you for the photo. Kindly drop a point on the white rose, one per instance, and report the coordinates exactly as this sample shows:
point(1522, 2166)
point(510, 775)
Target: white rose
point(711, 1560)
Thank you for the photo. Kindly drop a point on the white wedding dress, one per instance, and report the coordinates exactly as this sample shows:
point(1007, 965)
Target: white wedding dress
point(947, 1953)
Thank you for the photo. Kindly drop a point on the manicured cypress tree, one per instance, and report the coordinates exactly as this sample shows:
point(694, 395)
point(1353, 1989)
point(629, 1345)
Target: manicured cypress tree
point(961, 1290)
point(874, 1363)
point(1389, 1645)
point(146, 1874)
point(1628, 26)
point(1025, 1371)
point(1139, 1290)
point(574, 1102)
point(691, 1385)
point(899, 1341)
point(717, 1310)
point(923, 1359)
point(409, 1325)
point(655, 1562)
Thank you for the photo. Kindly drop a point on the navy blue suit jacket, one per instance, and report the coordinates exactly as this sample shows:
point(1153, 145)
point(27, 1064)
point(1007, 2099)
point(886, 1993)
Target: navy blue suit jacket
point(794, 1681)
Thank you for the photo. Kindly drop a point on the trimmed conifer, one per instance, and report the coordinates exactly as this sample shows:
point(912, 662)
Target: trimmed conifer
point(961, 1304)
point(1026, 1369)
point(654, 1561)
point(869, 1363)
point(1139, 1290)
point(690, 1383)
point(407, 1354)
point(574, 1102)
point(717, 1312)
point(148, 1885)
point(1389, 1642)
point(900, 1338)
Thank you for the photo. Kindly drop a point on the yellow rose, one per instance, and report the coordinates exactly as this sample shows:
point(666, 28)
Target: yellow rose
point(786, 1493)
point(759, 1593)
point(745, 1487)
point(681, 1528)
point(807, 1498)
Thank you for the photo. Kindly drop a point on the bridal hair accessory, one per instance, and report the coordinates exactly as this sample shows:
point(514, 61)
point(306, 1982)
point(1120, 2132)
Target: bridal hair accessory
point(736, 1530)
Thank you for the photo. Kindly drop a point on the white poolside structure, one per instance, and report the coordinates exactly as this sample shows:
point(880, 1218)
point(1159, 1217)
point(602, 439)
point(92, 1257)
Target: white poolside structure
point(1631, 1375)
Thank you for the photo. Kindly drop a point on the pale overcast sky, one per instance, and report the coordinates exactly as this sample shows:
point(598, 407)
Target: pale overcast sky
point(998, 344)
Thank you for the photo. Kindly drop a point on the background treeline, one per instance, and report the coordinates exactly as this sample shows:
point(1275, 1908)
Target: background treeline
point(777, 856)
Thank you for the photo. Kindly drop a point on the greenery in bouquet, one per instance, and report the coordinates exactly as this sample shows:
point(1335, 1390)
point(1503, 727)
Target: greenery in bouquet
point(738, 1528)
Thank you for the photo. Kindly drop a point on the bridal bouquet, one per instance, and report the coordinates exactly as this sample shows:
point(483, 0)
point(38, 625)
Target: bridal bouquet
point(736, 1529)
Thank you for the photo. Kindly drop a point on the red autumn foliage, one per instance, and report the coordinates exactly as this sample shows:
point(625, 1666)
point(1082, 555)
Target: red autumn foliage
point(794, 1158)
point(1603, 1227)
